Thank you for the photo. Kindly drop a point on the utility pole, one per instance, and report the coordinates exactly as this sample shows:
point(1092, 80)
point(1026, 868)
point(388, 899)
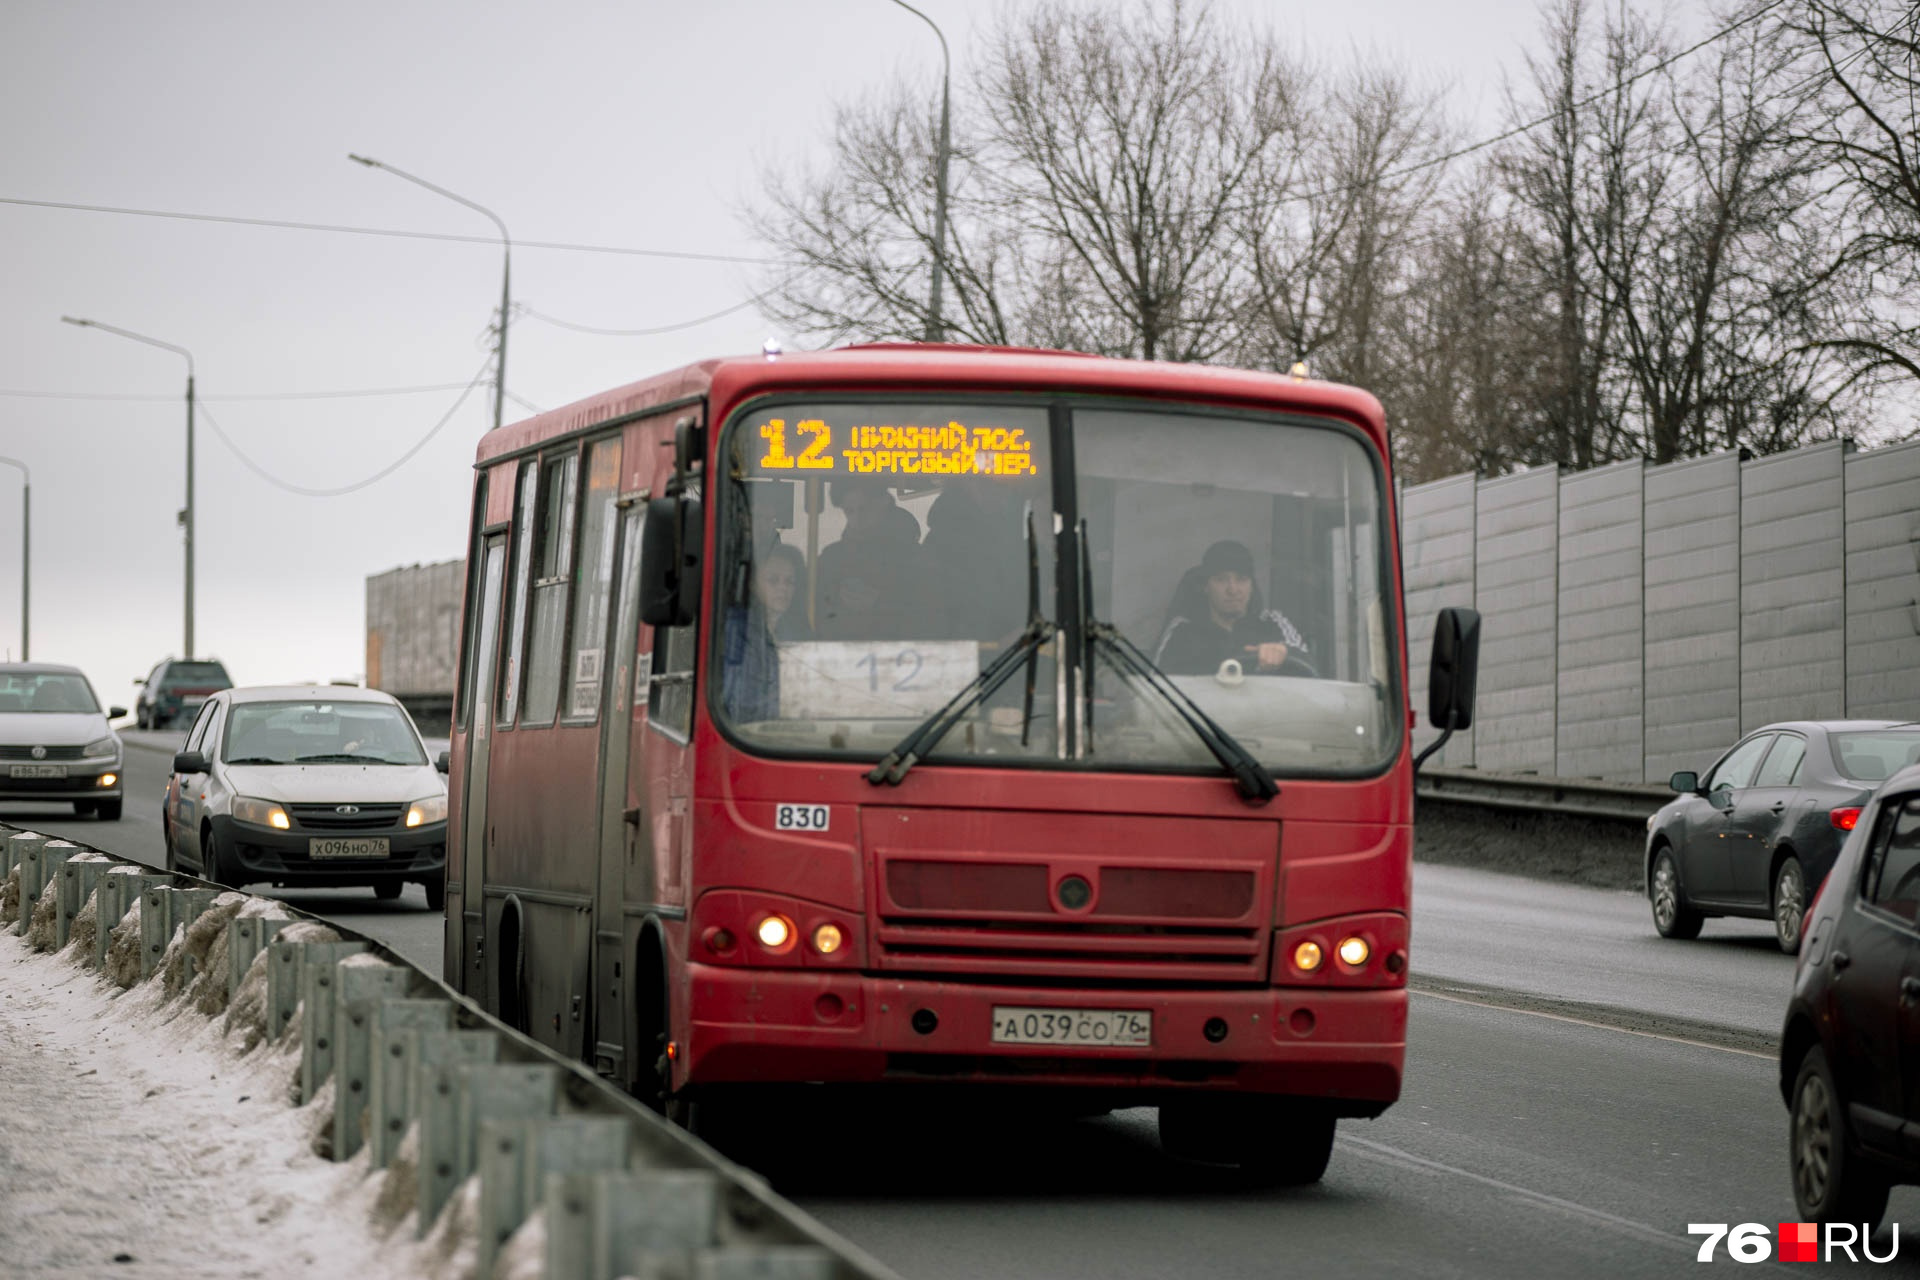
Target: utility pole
point(185, 517)
point(936, 326)
point(506, 273)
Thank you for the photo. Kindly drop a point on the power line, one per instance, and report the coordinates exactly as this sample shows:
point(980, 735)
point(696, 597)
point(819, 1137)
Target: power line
point(271, 395)
point(377, 476)
point(341, 229)
point(639, 333)
point(524, 403)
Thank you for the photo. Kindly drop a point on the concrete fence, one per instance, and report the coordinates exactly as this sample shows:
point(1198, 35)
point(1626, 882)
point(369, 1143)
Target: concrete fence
point(436, 1091)
point(1638, 619)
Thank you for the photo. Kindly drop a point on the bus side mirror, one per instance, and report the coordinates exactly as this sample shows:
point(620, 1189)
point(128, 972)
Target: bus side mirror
point(670, 562)
point(1455, 669)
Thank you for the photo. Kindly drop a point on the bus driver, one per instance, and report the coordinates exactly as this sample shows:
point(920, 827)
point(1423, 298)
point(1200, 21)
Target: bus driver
point(1216, 615)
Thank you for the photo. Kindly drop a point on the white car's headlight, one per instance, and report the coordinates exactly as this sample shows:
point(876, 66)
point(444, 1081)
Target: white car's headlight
point(107, 748)
point(261, 813)
point(431, 809)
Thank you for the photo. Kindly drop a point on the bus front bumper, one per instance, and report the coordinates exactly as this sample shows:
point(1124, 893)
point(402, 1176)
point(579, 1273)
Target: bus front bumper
point(761, 1026)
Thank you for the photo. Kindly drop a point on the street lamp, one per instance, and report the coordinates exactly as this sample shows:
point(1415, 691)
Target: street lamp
point(186, 512)
point(936, 328)
point(506, 270)
point(26, 541)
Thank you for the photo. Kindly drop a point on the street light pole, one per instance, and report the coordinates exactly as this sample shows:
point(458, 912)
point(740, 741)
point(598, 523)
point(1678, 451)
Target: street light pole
point(26, 556)
point(936, 326)
point(506, 271)
point(186, 513)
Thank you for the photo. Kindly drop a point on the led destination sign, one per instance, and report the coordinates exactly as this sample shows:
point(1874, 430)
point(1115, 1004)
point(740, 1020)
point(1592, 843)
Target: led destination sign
point(878, 449)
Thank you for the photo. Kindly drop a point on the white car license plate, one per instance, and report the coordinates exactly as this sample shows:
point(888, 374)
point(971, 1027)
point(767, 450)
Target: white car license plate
point(38, 771)
point(1126, 1028)
point(343, 847)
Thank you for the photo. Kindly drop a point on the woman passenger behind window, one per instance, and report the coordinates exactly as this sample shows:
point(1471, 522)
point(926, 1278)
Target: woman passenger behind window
point(750, 659)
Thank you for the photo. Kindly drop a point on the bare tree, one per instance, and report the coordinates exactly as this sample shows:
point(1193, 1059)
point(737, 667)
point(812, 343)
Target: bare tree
point(858, 235)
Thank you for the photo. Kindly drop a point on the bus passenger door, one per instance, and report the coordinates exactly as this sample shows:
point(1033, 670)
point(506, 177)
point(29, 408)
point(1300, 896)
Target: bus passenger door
point(479, 745)
point(618, 817)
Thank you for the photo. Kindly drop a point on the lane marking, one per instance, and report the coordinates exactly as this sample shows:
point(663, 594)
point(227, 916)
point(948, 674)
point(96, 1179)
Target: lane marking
point(1600, 1026)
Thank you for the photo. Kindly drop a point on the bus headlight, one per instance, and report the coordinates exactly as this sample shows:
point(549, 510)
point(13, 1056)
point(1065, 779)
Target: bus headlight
point(1353, 951)
point(431, 809)
point(1307, 957)
point(775, 933)
point(261, 813)
point(827, 939)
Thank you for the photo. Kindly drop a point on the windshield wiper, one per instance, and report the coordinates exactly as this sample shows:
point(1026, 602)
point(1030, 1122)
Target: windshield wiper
point(927, 734)
point(257, 760)
point(340, 757)
point(1249, 775)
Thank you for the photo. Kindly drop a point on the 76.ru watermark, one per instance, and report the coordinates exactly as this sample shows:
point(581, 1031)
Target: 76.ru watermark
point(1799, 1241)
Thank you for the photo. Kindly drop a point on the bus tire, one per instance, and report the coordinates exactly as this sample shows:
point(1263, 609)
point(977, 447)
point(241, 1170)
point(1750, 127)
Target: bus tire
point(1273, 1141)
point(436, 894)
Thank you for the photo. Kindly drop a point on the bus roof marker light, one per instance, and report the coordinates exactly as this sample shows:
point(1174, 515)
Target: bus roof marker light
point(771, 348)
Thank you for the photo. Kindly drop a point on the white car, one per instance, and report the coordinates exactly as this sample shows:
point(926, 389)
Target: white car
point(305, 785)
point(55, 743)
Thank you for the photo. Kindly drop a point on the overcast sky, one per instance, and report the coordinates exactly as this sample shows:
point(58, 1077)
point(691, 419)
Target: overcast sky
point(638, 123)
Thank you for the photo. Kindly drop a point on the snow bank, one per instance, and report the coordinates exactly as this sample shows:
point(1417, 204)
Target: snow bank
point(86, 927)
point(247, 1010)
point(123, 952)
point(10, 897)
point(137, 1127)
point(43, 927)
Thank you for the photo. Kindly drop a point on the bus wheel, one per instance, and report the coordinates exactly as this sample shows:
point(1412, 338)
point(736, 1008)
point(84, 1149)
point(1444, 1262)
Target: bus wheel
point(1274, 1141)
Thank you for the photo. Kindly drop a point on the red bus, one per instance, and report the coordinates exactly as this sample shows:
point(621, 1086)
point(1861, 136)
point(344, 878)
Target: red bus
point(912, 715)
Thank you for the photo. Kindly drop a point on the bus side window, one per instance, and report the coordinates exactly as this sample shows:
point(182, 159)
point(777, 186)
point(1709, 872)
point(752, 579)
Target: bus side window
point(670, 697)
point(553, 570)
point(508, 700)
point(670, 687)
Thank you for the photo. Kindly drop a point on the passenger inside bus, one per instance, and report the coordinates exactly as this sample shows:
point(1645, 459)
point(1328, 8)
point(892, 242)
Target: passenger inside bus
point(870, 580)
point(976, 561)
point(750, 675)
point(1217, 616)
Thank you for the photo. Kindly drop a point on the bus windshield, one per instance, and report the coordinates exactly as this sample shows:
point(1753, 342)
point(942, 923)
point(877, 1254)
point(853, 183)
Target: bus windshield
point(876, 557)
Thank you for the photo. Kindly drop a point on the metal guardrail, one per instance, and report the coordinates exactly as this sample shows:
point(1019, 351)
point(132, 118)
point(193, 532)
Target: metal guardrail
point(1526, 792)
point(620, 1190)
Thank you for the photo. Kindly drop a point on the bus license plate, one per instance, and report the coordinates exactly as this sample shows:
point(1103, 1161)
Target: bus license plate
point(38, 771)
point(1125, 1028)
point(339, 847)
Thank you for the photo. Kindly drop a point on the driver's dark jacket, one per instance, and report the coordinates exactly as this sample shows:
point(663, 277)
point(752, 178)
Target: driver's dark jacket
point(1197, 647)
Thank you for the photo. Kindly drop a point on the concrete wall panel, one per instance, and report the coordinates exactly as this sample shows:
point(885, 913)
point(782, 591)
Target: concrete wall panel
point(1692, 613)
point(1516, 589)
point(1792, 586)
point(1883, 583)
point(1437, 558)
point(413, 628)
point(1601, 625)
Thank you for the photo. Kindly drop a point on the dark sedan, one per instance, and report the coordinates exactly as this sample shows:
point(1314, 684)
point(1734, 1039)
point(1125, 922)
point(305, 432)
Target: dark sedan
point(1846, 1051)
point(1757, 835)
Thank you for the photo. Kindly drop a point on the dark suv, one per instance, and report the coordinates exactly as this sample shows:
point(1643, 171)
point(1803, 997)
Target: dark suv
point(174, 691)
point(1854, 1017)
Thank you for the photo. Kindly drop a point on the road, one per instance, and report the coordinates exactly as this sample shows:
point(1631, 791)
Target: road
point(1577, 1134)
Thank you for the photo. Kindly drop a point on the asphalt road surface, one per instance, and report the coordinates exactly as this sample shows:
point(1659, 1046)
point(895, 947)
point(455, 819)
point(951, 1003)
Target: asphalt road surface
point(1568, 1111)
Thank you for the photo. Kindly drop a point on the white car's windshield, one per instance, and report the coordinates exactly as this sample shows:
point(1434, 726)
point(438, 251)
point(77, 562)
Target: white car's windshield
point(319, 732)
point(46, 692)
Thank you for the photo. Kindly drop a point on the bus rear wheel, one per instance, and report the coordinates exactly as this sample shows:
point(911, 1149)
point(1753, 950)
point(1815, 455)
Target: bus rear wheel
point(1274, 1141)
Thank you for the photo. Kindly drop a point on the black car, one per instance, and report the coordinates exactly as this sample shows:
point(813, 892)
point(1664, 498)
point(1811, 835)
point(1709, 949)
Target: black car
point(175, 690)
point(1853, 1022)
point(1759, 833)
